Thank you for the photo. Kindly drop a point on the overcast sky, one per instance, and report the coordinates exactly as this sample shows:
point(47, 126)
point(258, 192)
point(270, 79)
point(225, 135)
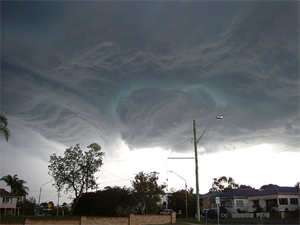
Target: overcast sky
point(133, 75)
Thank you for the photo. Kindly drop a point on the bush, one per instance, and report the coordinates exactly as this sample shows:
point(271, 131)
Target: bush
point(241, 211)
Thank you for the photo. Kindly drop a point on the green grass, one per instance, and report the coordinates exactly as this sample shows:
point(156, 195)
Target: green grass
point(21, 219)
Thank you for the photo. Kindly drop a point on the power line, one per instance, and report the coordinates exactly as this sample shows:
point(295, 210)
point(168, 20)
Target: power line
point(118, 160)
point(179, 142)
point(297, 145)
point(112, 174)
point(116, 181)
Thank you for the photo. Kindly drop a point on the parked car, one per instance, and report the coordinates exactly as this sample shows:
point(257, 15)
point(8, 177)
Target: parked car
point(204, 212)
point(213, 214)
point(166, 212)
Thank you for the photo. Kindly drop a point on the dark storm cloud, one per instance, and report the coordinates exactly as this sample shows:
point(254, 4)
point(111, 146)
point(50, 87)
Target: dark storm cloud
point(143, 71)
point(148, 117)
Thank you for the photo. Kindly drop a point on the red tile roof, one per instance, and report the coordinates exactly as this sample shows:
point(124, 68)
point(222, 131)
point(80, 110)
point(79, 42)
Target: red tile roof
point(4, 193)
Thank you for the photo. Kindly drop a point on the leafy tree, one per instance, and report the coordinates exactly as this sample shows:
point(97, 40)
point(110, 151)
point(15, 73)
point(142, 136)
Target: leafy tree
point(16, 185)
point(4, 131)
point(75, 171)
point(147, 193)
point(267, 186)
point(191, 190)
point(112, 201)
point(28, 206)
point(223, 184)
point(176, 201)
point(297, 185)
point(243, 186)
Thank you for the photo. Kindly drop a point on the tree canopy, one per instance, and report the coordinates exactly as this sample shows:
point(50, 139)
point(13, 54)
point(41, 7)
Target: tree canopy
point(112, 201)
point(147, 193)
point(144, 197)
point(16, 185)
point(223, 184)
point(267, 186)
point(4, 131)
point(176, 201)
point(75, 171)
point(226, 184)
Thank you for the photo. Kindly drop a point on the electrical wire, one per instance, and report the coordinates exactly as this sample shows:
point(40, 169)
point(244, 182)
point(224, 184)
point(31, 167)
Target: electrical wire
point(179, 142)
point(287, 148)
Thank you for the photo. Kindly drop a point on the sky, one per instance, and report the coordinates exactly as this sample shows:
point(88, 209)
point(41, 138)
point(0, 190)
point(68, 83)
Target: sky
point(133, 75)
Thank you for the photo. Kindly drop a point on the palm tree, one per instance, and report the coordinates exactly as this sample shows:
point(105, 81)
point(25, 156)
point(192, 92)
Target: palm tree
point(16, 185)
point(3, 127)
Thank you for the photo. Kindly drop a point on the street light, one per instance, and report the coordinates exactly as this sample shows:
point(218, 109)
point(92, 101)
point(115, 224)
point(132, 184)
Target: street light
point(186, 208)
point(196, 160)
point(40, 196)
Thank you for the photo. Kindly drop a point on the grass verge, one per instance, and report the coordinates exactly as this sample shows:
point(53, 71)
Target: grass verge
point(21, 219)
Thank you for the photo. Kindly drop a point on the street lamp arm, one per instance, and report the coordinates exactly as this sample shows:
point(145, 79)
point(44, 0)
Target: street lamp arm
point(41, 193)
point(204, 131)
point(178, 175)
point(218, 118)
point(186, 207)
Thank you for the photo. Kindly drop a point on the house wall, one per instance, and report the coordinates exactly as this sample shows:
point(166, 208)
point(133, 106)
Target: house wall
point(280, 207)
point(232, 205)
point(261, 202)
point(289, 206)
point(241, 204)
point(8, 209)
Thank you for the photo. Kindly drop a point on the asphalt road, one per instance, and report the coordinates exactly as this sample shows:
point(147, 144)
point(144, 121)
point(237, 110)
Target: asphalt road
point(253, 221)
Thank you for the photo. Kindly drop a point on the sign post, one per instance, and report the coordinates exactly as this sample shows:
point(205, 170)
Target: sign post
point(218, 203)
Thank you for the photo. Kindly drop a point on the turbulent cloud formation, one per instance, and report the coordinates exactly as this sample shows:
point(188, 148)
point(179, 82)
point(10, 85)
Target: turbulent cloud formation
point(139, 73)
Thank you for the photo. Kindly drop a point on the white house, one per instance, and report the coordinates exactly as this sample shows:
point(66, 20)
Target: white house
point(8, 203)
point(235, 200)
point(278, 198)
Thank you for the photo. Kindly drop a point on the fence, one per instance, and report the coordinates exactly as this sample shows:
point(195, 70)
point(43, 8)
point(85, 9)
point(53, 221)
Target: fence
point(131, 220)
point(242, 215)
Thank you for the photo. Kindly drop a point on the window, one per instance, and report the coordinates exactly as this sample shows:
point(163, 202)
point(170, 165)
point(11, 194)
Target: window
point(294, 201)
point(256, 204)
point(7, 200)
point(239, 202)
point(271, 202)
point(283, 201)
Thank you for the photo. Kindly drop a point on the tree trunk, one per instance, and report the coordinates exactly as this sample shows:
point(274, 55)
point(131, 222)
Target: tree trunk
point(74, 205)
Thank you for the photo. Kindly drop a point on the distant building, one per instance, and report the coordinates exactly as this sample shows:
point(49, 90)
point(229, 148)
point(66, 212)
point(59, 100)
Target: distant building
point(8, 204)
point(281, 199)
point(205, 200)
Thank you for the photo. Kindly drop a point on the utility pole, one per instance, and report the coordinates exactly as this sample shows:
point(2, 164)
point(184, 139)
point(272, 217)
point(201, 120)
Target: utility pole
point(196, 170)
point(58, 202)
point(196, 160)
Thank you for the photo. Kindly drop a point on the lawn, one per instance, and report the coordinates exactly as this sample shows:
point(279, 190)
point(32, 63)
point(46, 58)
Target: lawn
point(21, 219)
